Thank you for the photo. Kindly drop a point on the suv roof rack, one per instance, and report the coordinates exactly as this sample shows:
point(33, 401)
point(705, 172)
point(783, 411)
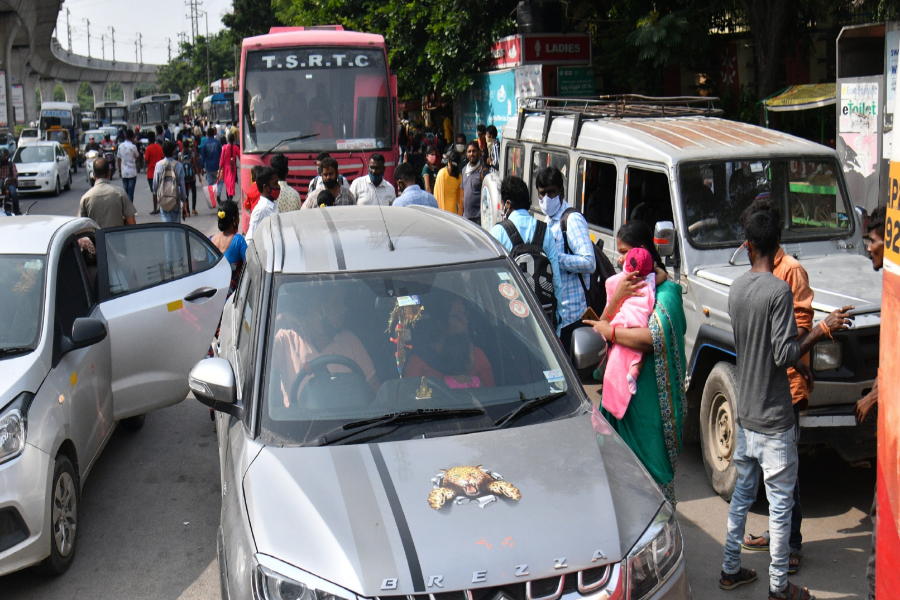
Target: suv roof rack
point(617, 106)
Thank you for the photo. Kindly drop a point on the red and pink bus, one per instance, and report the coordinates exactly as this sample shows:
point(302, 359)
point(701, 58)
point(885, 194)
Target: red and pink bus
point(306, 90)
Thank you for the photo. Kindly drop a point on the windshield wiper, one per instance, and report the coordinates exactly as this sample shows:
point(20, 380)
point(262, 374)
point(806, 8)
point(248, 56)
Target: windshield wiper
point(14, 350)
point(354, 427)
point(528, 404)
point(286, 140)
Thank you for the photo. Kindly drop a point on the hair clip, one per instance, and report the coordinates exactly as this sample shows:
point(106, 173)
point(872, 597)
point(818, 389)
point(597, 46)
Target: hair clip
point(221, 214)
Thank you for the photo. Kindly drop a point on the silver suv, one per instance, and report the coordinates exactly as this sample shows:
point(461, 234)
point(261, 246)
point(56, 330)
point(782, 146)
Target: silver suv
point(672, 164)
point(396, 419)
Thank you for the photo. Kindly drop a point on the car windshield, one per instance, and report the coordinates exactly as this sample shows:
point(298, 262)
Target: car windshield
point(807, 191)
point(346, 348)
point(58, 136)
point(22, 289)
point(34, 154)
point(30, 133)
point(337, 95)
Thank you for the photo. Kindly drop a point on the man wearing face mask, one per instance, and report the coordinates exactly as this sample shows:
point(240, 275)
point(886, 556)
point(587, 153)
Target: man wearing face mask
point(472, 178)
point(269, 190)
point(373, 189)
point(317, 180)
point(493, 148)
point(459, 147)
point(574, 249)
point(331, 184)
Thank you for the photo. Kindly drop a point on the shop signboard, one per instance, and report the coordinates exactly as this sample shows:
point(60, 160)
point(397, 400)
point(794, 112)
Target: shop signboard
point(18, 102)
point(490, 101)
point(541, 49)
point(575, 82)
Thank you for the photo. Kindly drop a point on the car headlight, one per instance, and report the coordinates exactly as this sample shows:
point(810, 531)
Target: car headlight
point(276, 580)
point(14, 427)
point(827, 356)
point(45, 173)
point(656, 553)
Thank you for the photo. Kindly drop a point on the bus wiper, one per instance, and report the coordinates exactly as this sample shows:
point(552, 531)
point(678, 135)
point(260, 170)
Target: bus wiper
point(354, 427)
point(290, 139)
point(528, 404)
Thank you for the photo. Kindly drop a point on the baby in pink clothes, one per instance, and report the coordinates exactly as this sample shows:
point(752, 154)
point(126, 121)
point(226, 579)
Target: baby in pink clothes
point(623, 365)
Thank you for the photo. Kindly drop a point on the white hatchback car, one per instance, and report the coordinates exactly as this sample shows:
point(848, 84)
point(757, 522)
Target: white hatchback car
point(43, 167)
point(99, 327)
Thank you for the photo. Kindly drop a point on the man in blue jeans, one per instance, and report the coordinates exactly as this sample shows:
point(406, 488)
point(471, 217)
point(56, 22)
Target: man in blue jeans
point(209, 159)
point(761, 307)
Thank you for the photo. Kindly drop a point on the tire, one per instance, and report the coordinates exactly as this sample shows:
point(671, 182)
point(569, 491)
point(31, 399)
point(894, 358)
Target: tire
point(57, 189)
point(64, 503)
point(133, 423)
point(718, 429)
point(68, 185)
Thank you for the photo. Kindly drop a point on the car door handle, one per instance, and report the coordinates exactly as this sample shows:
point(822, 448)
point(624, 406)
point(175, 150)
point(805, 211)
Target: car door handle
point(201, 293)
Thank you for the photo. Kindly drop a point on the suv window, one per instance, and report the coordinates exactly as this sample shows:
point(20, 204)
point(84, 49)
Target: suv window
point(72, 300)
point(541, 160)
point(597, 192)
point(647, 196)
point(515, 161)
point(247, 304)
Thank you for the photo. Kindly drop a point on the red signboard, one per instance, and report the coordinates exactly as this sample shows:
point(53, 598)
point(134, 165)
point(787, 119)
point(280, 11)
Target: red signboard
point(544, 49)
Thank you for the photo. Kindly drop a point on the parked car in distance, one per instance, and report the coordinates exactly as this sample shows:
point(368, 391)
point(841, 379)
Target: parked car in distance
point(93, 335)
point(43, 167)
point(29, 135)
point(388, 393)
point(8, 140)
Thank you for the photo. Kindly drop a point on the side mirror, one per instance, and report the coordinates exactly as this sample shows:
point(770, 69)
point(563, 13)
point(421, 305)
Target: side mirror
point(85, 332)
point(588, 348)
point(212, 381)
point(664, 238)
point(863, 217)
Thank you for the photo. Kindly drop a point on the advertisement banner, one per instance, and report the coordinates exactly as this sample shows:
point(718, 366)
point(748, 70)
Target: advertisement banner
point(506, 52)
point(859, 108)
point(4, 109)
point(576, 82)
point(892, 41)
point(18, 102)
point(490, 101)
point(529, 82)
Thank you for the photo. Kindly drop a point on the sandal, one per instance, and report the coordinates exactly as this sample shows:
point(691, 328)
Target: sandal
point(730, 581)
point(791, 592)
point(794, 561)
point(756, 543)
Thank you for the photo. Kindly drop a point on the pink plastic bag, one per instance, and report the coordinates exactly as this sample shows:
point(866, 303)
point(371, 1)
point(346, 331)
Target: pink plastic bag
point(211, 195)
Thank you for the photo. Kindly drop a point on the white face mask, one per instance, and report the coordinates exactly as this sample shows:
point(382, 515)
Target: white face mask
point(549, 205)
point(460, 148)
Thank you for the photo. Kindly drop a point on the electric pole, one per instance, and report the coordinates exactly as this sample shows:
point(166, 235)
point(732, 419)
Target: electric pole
point(103, 46)
point(169, 40)
point(68, 31)
point(194, 6)
point(88, 21)
point(141, 44)
point(135, 51)
point(113, 33)
point(208, 79)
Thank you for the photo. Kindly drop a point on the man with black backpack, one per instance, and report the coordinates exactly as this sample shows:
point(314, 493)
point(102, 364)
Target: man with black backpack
point(537, 258)
point(168, 184)
point(575, 250)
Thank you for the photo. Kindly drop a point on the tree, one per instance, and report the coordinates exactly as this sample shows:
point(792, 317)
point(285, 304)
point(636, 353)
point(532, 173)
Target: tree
point(188, 70)
point(86, 96)
point(249, 18)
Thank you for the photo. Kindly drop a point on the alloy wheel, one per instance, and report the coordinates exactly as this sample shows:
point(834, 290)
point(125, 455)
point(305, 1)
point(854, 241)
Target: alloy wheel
point(64, 514)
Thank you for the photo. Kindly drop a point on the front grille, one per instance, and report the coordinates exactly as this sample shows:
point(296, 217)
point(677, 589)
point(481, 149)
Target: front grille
point(12, 528)
point(569, 587)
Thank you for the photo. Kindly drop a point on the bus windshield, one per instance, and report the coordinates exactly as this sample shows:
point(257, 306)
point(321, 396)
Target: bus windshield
point(337, 95)
point(57, 117)
point(108, 115)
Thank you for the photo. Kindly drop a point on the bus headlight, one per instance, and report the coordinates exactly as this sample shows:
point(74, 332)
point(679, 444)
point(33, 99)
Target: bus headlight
point(827, 356)
point(655, 555)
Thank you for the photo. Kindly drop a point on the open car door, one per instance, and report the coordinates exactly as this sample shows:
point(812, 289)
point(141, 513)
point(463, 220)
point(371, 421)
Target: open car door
point(161, 288)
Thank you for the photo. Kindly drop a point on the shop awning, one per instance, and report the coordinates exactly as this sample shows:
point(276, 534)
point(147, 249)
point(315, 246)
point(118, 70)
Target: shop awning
point(802, 97)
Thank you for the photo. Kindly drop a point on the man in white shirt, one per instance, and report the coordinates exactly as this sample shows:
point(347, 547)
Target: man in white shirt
point(259, 104)
point(127, 157)
point(373, 189)
point(269, 190)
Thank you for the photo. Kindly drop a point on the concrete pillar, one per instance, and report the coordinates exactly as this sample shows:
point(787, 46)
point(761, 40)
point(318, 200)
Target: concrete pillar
point(71, 89)
point(9, 25)
point(46, 86)
point(99, 88)
point(128, 91)
point(31, 83)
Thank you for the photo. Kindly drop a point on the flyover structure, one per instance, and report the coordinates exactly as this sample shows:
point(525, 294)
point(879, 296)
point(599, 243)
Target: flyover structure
point(31, 57)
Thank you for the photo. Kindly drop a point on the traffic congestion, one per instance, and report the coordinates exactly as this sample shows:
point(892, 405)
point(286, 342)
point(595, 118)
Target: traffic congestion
point(599, 350)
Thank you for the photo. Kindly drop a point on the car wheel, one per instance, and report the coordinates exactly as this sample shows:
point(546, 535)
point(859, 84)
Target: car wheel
point(69, 182)
point(56, 190)
point(63, 519)
point(133, 423)
point(718, 429)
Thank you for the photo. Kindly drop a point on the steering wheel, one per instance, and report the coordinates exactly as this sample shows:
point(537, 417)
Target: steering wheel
point(319, 367)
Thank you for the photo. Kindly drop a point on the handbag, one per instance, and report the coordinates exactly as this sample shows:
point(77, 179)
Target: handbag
point(211, 195)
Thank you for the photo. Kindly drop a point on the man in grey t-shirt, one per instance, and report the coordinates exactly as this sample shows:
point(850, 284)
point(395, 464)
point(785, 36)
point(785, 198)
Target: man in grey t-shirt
point(761, 307)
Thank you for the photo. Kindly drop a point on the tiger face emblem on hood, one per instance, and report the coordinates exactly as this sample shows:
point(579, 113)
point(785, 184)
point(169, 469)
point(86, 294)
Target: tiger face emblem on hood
point(470, 483)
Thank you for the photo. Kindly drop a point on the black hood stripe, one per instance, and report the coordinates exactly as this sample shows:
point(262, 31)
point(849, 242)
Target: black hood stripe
point(336, 240)
point(409, 547)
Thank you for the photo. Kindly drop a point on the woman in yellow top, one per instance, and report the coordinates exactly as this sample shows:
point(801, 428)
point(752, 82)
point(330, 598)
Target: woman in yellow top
point(447, 189)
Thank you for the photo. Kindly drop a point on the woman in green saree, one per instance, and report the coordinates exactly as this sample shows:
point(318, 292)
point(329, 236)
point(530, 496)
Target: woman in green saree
point(652, 424)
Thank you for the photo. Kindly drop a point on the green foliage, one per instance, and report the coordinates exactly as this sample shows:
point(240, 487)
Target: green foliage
point(188, 70)
point(59, 94)
point(432, 44)
point(743, 106)
point(114, 92)
point(85, 96)
point(249, 18)
point(659, 38)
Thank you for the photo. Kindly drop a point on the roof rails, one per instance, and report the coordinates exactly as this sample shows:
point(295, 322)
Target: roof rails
point(612, 107)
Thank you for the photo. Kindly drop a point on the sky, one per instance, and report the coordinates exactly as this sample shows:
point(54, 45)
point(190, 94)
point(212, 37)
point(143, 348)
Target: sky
point(155, 20)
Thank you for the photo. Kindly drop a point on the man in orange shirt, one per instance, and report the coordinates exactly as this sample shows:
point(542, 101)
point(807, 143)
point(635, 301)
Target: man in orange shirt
point(789, 270)
point(152, 155)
